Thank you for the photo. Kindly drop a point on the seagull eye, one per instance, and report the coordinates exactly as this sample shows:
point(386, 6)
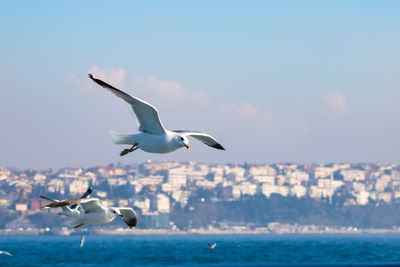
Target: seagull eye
point(181, 138)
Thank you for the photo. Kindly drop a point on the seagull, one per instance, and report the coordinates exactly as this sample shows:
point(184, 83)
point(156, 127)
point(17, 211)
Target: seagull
point(82, 241)
point(5, 253)
point(69, 211)
point(154, 138)
point(95, 213)
point(211, 246)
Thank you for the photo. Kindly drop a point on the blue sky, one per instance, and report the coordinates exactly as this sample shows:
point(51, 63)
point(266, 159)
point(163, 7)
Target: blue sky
point(298, 81)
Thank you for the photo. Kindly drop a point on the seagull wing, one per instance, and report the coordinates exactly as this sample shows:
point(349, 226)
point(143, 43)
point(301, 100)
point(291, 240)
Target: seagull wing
point(146, 114)
point(60, 204)
point(53, 205)
point(91, 205)
point(203, 137)
point(6, 253)
point(129, 216)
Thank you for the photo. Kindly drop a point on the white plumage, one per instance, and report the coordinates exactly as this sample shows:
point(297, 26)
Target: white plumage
point(95, 213)
point(154, 138)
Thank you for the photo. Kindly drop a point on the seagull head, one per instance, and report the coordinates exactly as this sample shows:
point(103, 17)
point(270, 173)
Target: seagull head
point(115, 212)
point(182, 140)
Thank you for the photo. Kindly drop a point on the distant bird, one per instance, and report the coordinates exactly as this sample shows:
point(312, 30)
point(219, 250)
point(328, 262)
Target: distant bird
point(154, 138)
point(211, 246)
point(5, 253)
point(66, 211)
point(82, 241)
point(95, 213)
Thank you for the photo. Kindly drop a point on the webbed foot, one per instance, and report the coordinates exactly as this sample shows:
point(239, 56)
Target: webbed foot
point(128, 150)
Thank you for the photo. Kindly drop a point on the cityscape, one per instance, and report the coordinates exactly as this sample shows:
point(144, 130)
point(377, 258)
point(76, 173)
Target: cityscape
point(189, 197)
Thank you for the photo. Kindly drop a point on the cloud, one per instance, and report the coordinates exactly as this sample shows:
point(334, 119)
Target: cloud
point(248, 131)
point(335, 103)
point(170, 90)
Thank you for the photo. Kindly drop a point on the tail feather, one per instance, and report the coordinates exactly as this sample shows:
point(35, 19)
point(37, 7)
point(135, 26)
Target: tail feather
point(119, 138)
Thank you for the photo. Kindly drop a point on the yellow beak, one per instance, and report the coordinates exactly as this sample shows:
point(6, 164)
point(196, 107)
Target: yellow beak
point(187, 146)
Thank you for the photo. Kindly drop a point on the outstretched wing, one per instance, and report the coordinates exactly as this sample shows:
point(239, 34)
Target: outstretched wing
point(146, 114)
point(129, 216)
point(6, 253)
point(60, 204)
point(63, 207)
point(91, 205)
point(203, 137)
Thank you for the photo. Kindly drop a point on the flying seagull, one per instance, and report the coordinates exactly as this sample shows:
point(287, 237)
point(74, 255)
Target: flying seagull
point(154, 138)
point(82, 241)
point(212, 246)
point(95, 213)
point(68, 211)
point(5, 253)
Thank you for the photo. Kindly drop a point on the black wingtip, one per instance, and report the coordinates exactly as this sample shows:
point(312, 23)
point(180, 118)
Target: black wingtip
point(90, 76)
point(218, 146)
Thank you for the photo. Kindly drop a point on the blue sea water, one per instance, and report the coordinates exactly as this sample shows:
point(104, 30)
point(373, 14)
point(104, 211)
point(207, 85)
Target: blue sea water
point(192, 250)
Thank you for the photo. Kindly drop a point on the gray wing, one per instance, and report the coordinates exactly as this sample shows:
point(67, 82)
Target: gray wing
point(91, 205)
point(129, 216)
point(203, 137)
point(146, 114)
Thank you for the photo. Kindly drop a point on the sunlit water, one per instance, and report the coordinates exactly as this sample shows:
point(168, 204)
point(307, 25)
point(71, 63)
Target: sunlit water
point(192, 250)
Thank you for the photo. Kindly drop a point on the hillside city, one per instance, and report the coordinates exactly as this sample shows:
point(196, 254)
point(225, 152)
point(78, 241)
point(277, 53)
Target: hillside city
point(198, 197)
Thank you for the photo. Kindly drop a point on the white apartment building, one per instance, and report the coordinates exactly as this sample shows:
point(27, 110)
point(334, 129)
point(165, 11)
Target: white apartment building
point(56, 185)
point(386, 197)
point(350, 175)
point(268, 189)
point(382, 182)
point(177, 177)
point(78, 187)
point(163, 203)
point(244, 188)
point(297, 177)
point(362, 197)
point(181, 197)
point(322, 171)
point(267, 179)
point(298, 191)
point(262, 170)
point(144, 205)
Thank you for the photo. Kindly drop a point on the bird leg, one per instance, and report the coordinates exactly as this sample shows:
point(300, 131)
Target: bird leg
point(79, 225)
point(128, 150)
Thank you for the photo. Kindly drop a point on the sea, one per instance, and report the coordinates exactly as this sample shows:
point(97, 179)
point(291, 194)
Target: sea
point(193, 250)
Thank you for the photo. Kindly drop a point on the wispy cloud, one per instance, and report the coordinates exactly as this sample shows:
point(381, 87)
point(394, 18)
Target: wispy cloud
point(335, 103)
point(241, 126)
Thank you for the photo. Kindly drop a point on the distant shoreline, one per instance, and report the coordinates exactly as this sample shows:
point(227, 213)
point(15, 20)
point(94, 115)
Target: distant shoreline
point(124, 231)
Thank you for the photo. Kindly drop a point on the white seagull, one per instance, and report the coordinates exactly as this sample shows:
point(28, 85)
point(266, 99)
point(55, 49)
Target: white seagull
point(5, 253)
point(69, 211)
point(212, 246)
point(82, 241)
point(95, 213)
point(154, 138)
